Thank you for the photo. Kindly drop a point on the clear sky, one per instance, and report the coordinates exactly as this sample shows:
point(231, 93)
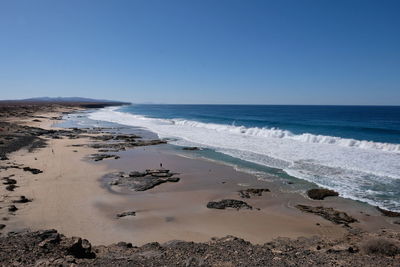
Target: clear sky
point(203, 51)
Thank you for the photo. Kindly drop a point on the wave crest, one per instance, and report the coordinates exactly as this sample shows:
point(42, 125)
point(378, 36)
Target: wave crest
point(278, 133)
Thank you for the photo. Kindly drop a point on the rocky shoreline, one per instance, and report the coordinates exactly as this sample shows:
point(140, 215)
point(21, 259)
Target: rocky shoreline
point(48, 247)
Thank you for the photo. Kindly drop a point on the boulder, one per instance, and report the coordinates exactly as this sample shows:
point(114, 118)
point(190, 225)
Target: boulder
point(321, 193)
point(79, 248)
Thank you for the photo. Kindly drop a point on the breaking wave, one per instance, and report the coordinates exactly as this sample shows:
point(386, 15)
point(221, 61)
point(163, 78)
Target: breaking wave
point(363, 170)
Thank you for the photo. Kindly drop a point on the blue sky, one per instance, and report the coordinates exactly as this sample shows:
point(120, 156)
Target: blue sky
point(203, 51)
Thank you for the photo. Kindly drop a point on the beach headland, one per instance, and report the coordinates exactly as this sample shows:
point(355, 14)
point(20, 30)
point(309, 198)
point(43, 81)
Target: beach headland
point(131, 195)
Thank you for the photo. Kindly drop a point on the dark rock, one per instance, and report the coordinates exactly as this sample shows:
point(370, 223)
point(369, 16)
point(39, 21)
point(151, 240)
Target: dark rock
point(141, 181)
point(252, 192)
point(321, 193)
point(151, 182)
point(114, 182)
point(49, 237)
point(157, 171)
point(22, 199)
point(149, 142)
point(338, 217)
point(79, 248)
point(127, 143)
point(48, 234)
point(191, 148)
point(173, 179)
point(98, 157)
point(2, 226)
point(388, 213)
point(126, 213)
point(228, 203)
point(9, 181)
point(21, 249)
point(137, 174)
point(32, 170)
point(130, 137)
point(12, 208)
point(162, 174)
point(351, 250)
point(11, 187)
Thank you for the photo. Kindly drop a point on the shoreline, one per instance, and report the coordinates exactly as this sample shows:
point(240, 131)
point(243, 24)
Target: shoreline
point(70, 197)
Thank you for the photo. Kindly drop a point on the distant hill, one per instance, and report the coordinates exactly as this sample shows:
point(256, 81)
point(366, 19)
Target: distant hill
point(71, 99)
point(67, 101)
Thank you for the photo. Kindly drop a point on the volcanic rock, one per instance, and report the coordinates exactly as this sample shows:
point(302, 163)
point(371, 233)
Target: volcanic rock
point(228, 203)
point(330, 214)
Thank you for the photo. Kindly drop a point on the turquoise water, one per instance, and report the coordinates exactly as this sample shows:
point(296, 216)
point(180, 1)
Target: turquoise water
point(353, 150)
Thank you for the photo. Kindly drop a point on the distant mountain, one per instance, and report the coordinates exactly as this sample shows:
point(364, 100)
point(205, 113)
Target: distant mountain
point(71, 99)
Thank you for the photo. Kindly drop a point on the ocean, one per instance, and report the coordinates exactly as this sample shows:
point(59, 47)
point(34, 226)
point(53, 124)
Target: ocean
point(354, 150)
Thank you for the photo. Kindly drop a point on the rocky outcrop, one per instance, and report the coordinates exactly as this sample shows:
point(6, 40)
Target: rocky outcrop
point(330, 214)
point(388, 213)
point(126, 144)
point(321, 193)
point(228, 203)
point(141, 181)
point(99, 157)
point(49, 248)
point(248, 193)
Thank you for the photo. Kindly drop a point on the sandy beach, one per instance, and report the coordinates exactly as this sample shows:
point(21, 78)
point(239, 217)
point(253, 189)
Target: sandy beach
point(72, 195)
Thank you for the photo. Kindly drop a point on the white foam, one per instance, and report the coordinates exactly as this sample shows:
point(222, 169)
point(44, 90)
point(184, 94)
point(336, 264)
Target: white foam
point(346, 165)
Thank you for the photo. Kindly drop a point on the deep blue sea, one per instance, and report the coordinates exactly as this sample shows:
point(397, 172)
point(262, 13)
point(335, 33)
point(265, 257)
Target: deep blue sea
point(352, 149)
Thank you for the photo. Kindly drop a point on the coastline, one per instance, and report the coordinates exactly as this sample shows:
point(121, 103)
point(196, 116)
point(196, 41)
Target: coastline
point(72, 197)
